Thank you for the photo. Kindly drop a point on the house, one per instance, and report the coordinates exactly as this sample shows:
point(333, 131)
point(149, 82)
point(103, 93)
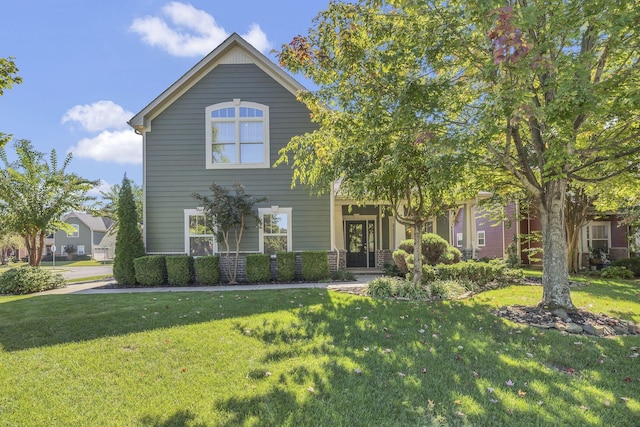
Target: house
point(225, 121)
point(487, 237)
point(90, 236)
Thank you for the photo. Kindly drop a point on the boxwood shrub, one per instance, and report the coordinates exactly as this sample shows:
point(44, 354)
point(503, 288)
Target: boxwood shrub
point(207, 272)
point(179, 270)
point(258, 268)
point(315, 266)
point(150, 270)
point(285, 266)
point(26, 280)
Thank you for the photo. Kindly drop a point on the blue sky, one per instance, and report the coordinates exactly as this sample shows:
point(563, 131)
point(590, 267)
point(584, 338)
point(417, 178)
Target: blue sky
point(88, 66)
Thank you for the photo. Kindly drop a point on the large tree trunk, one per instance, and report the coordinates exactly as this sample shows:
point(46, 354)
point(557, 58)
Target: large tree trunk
point(555, 276)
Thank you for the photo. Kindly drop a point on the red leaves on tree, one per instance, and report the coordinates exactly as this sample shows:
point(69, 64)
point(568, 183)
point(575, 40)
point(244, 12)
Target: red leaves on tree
point(508, 41)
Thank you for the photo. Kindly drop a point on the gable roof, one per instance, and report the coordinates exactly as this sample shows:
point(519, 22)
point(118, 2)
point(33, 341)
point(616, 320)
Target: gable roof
point(95, 223)
point(234, 50)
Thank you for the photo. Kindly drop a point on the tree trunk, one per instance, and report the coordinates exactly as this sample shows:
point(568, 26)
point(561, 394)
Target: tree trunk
point(417, 253)
point(555, 276)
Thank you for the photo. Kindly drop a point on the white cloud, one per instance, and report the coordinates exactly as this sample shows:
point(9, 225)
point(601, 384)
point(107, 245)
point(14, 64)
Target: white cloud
point(99, 116)
point(193, 32)
point(102, 187)
point(120, 146)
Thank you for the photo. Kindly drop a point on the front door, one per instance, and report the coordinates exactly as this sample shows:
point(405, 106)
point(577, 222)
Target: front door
point(360, 243)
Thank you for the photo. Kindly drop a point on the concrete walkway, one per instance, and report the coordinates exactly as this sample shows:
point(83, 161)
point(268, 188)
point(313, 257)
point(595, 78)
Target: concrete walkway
point(94, 287)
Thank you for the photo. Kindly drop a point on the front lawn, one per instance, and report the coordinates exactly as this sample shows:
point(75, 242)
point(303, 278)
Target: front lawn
point(310, 358)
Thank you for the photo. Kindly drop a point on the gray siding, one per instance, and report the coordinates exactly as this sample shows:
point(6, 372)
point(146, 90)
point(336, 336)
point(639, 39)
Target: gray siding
point(175, 161)
point(84, 237)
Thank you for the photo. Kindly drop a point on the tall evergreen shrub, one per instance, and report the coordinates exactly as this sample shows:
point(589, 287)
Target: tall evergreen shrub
point(129, 244)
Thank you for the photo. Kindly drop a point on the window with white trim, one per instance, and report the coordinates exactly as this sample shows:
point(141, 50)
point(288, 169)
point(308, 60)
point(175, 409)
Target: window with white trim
point(237, 135)
point(199, 238)
point(481, 238)
point(80, 249)
point(597, 236)
point(275, 232)
point(459, 240)
point(76, 233)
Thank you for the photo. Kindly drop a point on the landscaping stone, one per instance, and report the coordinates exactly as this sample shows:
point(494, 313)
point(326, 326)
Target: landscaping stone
point(574, 328)
point(580, 322)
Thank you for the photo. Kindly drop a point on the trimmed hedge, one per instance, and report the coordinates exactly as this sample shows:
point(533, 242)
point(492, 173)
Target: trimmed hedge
point(150, 270)
point(26, 280)
point(615, 272)
point(285, 266)
point(207, 272)
point(315, 266)
point(179, 270)
point(258, 268)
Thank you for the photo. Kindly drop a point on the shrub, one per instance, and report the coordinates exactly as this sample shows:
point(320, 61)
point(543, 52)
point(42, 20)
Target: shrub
point(207, 272)
point(406, 289)
point(383, 287)
point(285, 266)
point(392, 270)
point(258, 268)
point(631, 264)
point(179, 270)
point(150, 270)
point(616, 273)
point(315, 266)
point(400, 257)
point(433, 248)
point(480, 273)
point(448, 289)
point(451, 256)
point(26, 280)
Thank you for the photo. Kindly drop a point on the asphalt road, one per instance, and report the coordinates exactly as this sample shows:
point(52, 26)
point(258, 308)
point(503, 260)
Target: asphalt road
point(81, 272)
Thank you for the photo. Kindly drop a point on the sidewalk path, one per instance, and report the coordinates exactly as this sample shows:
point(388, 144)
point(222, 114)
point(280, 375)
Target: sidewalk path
point(95, 287)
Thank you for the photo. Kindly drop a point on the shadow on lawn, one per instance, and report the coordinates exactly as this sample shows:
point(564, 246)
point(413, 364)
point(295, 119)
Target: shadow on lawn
point(181, 418)
point(424, 363)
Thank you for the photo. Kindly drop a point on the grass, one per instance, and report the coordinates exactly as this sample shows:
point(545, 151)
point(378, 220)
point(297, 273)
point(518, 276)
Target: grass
point(310, 358)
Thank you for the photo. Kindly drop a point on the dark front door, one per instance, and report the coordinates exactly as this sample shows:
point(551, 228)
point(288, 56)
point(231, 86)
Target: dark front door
point(356, 243)
point(361, 239)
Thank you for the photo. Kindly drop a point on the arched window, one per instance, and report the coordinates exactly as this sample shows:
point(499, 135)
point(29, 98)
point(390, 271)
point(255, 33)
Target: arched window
point(237, 135)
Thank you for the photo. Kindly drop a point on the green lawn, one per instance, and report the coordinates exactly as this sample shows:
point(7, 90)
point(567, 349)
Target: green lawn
point(310, 358)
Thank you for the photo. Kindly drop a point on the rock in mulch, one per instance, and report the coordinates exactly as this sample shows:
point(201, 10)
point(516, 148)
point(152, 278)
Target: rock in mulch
point(580, 322)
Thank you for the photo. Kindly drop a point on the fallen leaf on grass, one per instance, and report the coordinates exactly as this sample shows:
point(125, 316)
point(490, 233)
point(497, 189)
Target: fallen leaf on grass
point(627, 379)
point(509, 383)
point(493, 400)
point(387, 350)
point(522, 393)
point(357, 371)
point(311, 390)
point(401, 374)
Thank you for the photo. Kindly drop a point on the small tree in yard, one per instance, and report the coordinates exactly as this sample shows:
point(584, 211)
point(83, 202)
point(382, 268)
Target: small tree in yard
point(129, 245)
point(35, 193)
point(230, 213)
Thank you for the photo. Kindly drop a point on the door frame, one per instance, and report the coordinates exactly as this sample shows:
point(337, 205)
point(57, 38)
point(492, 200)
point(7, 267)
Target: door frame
point(376, 233)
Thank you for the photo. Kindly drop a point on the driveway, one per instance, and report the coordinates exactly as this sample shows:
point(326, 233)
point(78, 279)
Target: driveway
point(73, 273)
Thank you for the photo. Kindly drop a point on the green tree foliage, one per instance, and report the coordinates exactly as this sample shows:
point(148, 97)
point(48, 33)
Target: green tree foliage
point(545, 91)
point(230, 213)
point(129, 245)
point(389, 124)
point(8, 77)
point(35, 193)
point(109, 204)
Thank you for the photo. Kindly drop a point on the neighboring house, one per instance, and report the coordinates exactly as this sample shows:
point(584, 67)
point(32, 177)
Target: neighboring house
point(602, 233)
point(225, 121)
point(89, 236)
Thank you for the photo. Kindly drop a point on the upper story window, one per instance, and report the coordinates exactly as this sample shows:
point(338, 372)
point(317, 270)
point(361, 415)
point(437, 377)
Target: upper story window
point(76, 232)
point(237, 135)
